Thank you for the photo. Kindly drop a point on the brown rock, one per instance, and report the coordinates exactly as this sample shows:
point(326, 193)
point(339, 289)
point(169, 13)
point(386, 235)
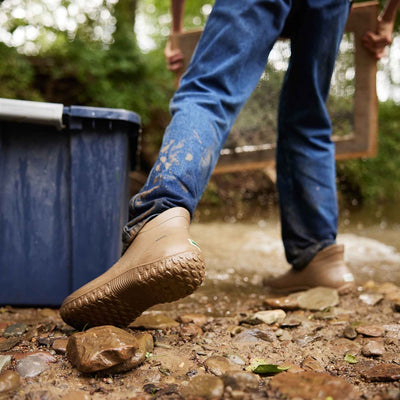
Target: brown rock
point(9, 343)
point(383, 373)
point(60, 346)
point(312, 386)
point(318, 299)
point(107, 348)
point(312, 364)
point(219, 365)
point(198, 319)
point(370, 330)
point(9, 382)
point(204, 387)
point(191, 330)
point(349, 332)
point(154, 320)
point(371, 298)
point(241, 380)
point(373, 348)
point(285, 303)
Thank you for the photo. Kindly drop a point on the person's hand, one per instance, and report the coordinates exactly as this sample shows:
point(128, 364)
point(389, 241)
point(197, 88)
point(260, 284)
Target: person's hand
point(174, 57)
point(376, 42)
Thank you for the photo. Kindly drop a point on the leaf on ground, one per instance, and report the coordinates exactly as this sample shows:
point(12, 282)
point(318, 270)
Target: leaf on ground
point(350, 359)
point(262, 367)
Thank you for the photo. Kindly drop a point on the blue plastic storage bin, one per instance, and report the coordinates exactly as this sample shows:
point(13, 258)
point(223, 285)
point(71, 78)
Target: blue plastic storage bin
point(63, 196)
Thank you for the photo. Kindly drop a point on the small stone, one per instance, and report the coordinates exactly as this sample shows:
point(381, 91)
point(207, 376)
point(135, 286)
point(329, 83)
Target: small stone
point(60, 346)
point(318, 299)
point(373, 348)
point(236, 359)
point(371, 298)
point(312, 364)
point(34, 365)
point(191, 330)
point(382, 373)
point(270, 317)
point(107, 348)
point(76, 395)
point(370, 330)
point(218, 365)
point(392, 331)
point(288, 303)
point(312, 385)
point(9, 343)
point(198, 319)
point(290, 323)
point(153, 320)
point(234, 330)
point(9, 382)
point(204, 387)
point(15, 330)
point(349, 332)
point(254, 335)
point(241, 380)
point(5, 361)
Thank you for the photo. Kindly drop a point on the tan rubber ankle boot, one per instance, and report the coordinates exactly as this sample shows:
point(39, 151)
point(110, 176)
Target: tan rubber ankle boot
point(161, 265)
point(327, 268)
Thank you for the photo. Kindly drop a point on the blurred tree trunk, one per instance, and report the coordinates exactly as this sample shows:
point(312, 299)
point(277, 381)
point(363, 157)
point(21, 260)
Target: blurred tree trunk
point(125, 13)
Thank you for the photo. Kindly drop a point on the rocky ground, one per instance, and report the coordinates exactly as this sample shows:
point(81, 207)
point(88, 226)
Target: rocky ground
point(312, 345)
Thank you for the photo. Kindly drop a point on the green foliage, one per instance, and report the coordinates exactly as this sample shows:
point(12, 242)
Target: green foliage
point(376, 179)
point(16, 76)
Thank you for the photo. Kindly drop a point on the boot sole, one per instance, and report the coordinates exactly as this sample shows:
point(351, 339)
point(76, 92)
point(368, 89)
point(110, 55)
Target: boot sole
point(122, 299)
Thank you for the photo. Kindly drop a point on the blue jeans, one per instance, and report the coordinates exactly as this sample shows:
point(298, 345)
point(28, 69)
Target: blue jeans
point(225, 69)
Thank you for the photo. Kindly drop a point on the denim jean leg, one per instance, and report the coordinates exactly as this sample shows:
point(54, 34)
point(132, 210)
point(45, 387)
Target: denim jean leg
point(225, 69)
point(305, 152)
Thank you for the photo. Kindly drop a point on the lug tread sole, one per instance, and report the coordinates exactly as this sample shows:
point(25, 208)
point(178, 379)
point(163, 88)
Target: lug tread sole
point(122, 299)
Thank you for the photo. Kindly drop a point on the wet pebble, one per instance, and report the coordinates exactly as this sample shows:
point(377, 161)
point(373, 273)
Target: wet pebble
point(9, 382)
point(270, 317)
point(60, 346)
point(219, 365)
point(154, 320)
point(191, 330)
point(9, 343)
point(241, 380)
point(370, 330)
point(198, 319)
point(109, 349)
point(371, 298)
point(254, 335)
point(33, 365)
point(349, 332)
point(288, 303)
point(5, 361)
point(290, 323)
point(312, 385)
point(204, 387)
point(382, 373)
point(15, 330)
point(373, 348)
point(318, 299)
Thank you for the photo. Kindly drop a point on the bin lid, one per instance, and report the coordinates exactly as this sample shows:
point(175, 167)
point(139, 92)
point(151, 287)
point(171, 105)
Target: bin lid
point(35, 112)
point(111, 114)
